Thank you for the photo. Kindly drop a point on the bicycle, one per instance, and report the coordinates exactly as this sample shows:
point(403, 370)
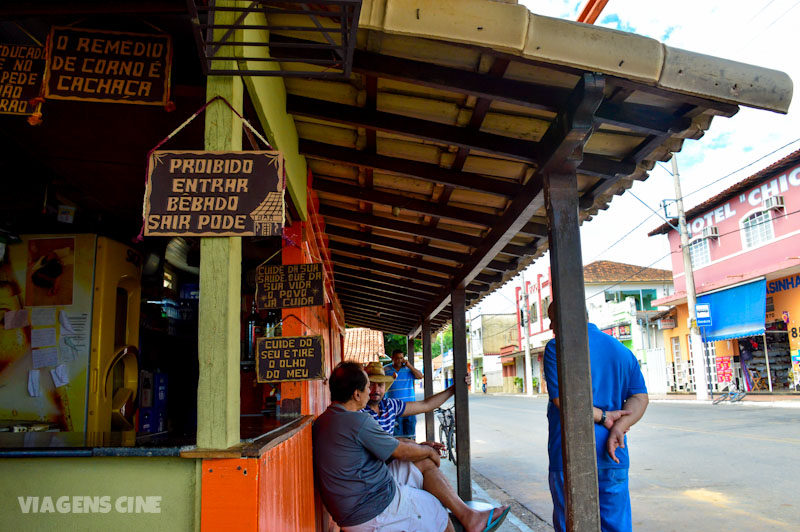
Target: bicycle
point(447, 430)
point(732, 394)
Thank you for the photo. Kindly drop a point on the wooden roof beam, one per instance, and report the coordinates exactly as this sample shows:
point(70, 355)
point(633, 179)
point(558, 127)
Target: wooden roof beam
point(396, 166)
point(383, 268)
point(560, 149)
point(402, 285)
point(369, 295)
point(522, 150)
point(407, 203)
point(409, 228)
point(396, 292)
point(395, 244)
point(400, 260)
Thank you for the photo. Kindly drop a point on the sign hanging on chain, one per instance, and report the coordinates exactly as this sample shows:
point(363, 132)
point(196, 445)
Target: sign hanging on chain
point(21, 71)
point(289, 286)
point(201, 193)
point(108, 66)
point(290, 358)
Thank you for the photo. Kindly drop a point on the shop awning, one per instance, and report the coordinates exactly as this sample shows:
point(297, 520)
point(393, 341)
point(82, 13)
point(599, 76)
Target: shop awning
point(736, 312)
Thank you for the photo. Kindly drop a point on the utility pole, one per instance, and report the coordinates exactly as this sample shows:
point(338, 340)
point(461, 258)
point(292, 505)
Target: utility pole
point(695, 341)
point(527, 347)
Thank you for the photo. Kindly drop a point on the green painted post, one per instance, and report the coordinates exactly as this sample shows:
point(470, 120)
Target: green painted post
point(218, 402)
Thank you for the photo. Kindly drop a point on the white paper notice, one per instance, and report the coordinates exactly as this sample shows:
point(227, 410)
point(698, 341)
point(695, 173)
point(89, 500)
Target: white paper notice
point(43, 337)
point(43, 316)
point(45, 357)
point(14, 319)
point(33, 383)
point(66, 325)
point(60, 376)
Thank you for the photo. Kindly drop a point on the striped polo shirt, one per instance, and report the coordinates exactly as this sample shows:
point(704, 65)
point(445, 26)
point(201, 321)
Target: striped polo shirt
point(403, 385)
point(390, 410)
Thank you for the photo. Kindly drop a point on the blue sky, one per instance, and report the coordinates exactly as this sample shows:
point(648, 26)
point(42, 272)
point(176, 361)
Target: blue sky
point(760, 32)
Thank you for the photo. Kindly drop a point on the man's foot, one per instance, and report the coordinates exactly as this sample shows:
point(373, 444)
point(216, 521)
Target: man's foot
point(485, 521)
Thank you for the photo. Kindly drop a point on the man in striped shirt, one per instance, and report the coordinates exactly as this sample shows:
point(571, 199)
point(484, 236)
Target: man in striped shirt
point(385, 410)
point(404, 374)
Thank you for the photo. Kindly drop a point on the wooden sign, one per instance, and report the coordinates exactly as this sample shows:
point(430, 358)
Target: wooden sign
point(291, 358)
point(108, 66)
point(21, 70)
point(200, 193)
point(289, 286)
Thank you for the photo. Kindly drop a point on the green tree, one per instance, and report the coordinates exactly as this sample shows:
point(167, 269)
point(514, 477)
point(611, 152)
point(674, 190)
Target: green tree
point(394, 341)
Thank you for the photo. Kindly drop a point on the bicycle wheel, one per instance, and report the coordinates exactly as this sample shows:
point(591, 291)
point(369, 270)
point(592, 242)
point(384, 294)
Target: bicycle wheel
point(738, 397)
point(720, 398)
point(443, 438)
point(451, 446)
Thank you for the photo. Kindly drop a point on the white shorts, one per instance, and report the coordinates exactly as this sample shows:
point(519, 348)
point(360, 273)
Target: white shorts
point(412, 509)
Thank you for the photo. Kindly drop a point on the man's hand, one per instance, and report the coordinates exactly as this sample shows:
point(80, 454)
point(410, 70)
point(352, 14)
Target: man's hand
point(616, 439)
point(614, 415)
point(434, 455)
point(438, 447)
point(468, 379)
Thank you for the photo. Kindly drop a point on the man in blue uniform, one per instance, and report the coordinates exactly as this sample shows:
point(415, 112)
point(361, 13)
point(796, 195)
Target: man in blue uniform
point(403, 388)
point(619, 396)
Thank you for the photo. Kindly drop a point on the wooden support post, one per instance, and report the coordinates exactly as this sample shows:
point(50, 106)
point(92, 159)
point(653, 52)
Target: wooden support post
point(572, 346)
point(427, 369)
point(219, 326)
point(461, 396)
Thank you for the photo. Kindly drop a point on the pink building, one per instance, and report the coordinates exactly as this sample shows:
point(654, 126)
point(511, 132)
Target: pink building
point(745, 251)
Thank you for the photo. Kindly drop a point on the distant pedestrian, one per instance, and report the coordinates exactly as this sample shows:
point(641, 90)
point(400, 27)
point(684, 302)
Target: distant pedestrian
point(620, 398)
point(483, 380)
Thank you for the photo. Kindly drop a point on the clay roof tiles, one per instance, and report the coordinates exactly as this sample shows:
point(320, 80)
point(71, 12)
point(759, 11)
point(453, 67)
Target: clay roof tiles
point(363, 345)
point(603, 271)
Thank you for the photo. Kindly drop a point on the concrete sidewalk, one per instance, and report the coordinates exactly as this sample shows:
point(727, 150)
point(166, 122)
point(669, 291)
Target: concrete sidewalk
point(527, 522)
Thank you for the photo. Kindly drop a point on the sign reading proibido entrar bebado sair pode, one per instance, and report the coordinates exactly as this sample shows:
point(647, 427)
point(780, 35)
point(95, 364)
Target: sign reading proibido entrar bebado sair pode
point(200, 193)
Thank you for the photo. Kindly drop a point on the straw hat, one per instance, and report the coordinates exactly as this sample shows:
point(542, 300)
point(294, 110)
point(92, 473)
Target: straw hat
point(376, 374)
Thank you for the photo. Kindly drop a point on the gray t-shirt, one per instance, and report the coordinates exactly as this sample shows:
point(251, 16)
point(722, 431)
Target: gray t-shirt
point(350, 451)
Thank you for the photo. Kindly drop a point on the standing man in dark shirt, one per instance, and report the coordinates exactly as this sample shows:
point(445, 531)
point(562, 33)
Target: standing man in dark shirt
point(350, 454)
point(620, 398)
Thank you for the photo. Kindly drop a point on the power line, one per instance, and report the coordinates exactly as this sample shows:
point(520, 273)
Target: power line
point(742, 168)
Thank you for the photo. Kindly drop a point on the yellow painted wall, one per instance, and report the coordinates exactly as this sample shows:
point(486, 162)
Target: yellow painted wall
point(724, 347)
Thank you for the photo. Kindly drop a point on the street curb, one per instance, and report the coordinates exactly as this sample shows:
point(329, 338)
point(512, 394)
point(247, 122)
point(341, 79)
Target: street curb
point(766, 404)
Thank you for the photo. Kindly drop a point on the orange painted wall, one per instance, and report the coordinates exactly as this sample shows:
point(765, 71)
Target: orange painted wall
point(286, 494)
point(725, 348)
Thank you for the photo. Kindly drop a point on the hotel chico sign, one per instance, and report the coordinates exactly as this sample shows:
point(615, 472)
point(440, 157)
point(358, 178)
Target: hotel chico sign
point(108, 66)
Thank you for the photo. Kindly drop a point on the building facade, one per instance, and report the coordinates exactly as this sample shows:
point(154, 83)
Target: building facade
point(742, 247)
point(620, 300)
point(489, 334)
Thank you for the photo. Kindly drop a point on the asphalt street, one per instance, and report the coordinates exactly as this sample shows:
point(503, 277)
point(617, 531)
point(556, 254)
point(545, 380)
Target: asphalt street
point(694, 467)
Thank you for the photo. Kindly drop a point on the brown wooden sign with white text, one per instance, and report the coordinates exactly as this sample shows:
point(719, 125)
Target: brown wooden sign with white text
point(290, 358)
point(200, 193)
point(108, 66)
point(21, 71)
point(289, 286)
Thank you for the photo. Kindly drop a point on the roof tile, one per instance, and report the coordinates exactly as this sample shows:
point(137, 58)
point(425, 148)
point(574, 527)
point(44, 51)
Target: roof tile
point(363, 345)
point(602, 271)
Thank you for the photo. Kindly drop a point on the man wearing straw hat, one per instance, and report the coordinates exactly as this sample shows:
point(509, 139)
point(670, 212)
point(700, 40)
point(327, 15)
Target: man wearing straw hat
point(386, 410)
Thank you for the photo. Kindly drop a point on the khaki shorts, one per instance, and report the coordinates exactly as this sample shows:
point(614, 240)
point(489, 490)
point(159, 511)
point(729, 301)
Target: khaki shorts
point(412, 509)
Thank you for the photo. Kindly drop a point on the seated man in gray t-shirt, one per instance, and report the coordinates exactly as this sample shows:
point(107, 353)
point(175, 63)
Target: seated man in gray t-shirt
point(357, 487)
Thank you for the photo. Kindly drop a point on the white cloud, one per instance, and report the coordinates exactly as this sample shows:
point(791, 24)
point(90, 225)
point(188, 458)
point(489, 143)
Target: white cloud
point(760, 33)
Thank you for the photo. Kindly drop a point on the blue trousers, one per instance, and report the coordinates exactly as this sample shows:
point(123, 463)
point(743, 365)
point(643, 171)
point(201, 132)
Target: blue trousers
point(615, 500)
point(406, 427)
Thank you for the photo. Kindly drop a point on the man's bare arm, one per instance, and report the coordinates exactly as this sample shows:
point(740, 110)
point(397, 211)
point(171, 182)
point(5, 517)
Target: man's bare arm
point(636, 404)
point(417, 374)
point(414, 452)
point(428, 405)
